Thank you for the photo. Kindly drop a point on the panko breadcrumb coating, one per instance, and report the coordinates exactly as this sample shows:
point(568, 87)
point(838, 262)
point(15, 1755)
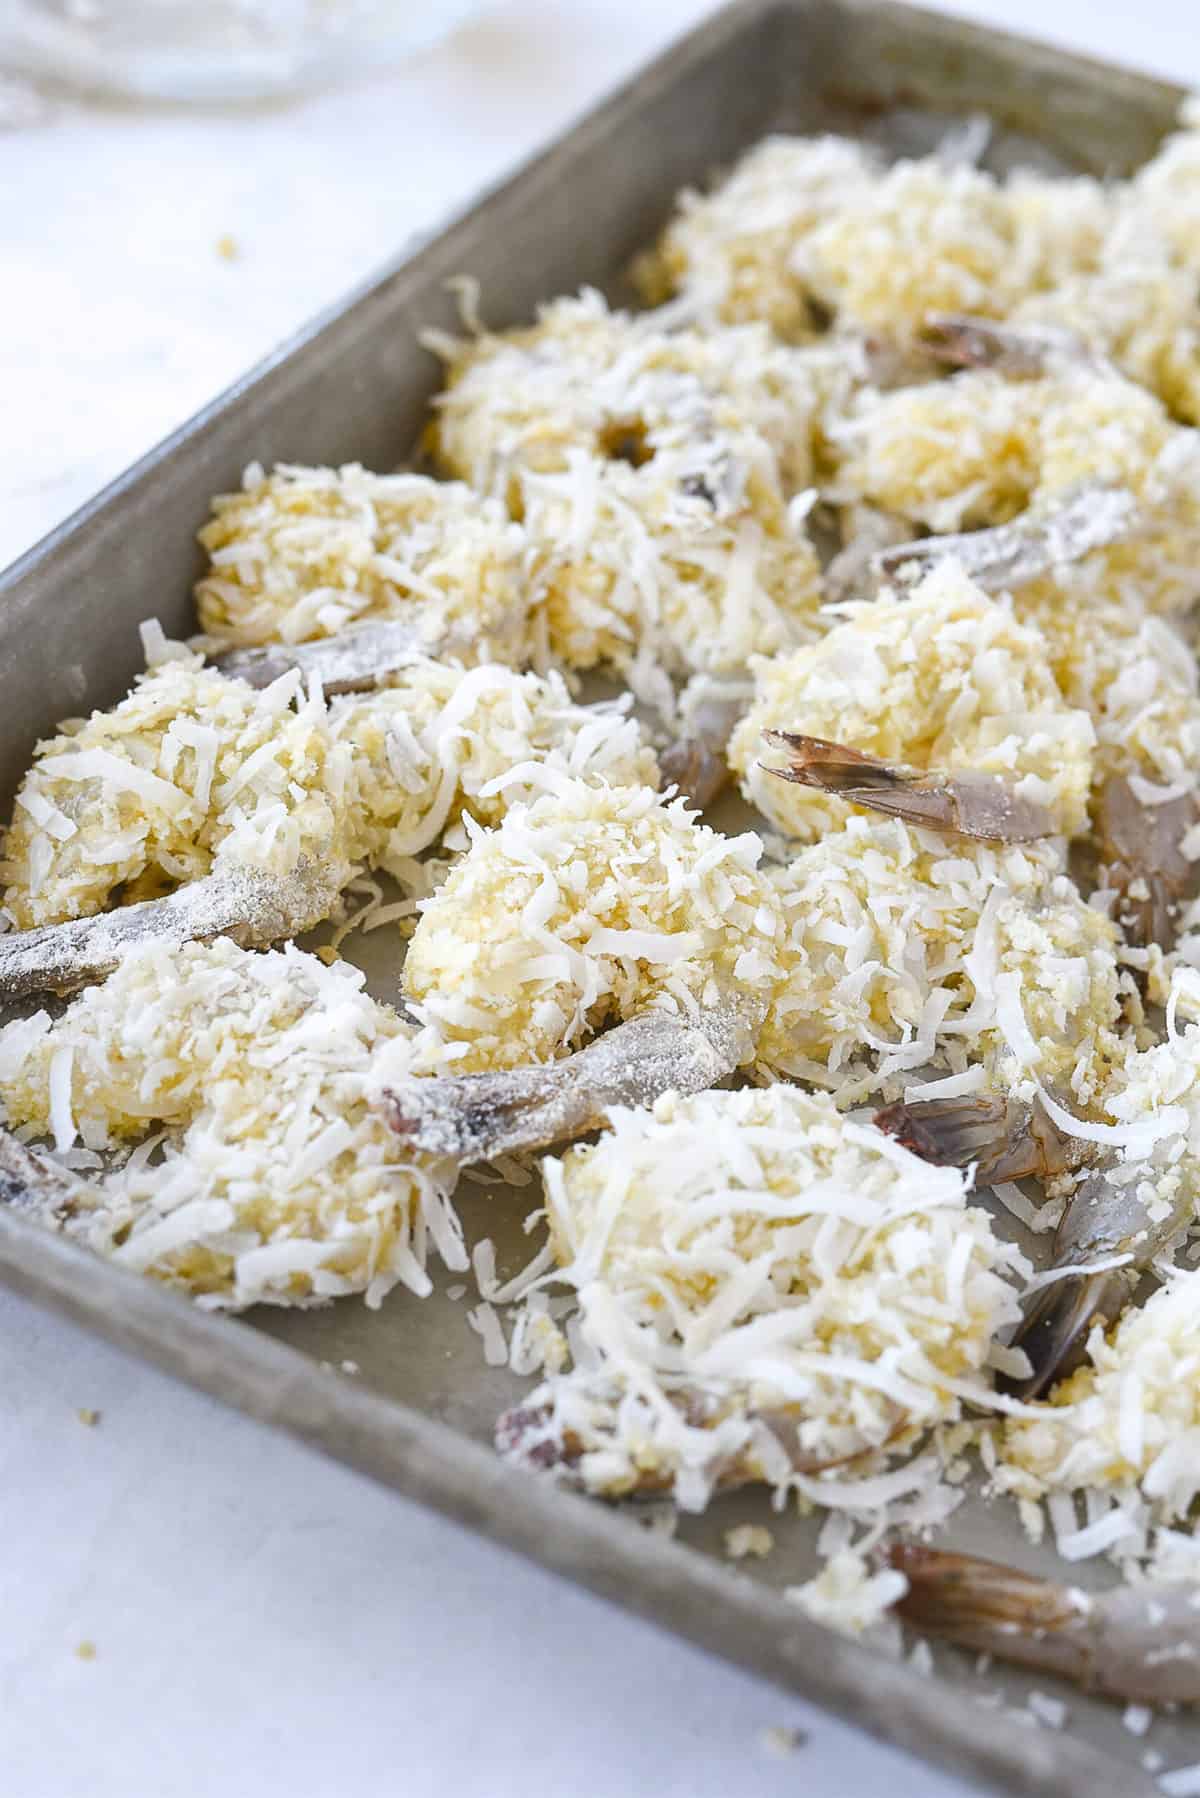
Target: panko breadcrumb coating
point(1133, 673)
point(276, 1182)
point(1129, 1417)
point(303, 552)
point(903, 948)
point(591, 904)
point(441, 740)
point(946, 679)
point(1163, 197)
point(729, 252)
point(927, 238)
point(803, 220)
point(190, 771)
point(1145, 318)
point(979, 448)
point(653, 474)
point(765, 1287)
point(197, 770)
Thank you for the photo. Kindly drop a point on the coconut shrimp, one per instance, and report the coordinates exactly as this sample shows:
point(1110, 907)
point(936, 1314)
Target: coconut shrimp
point(258, 807)
point(1010, 556)
point(873, 951)
point(904, 952)
point(1128, 1205)
point(766, 1289)
point(1109, 650)
point(591, 905)
point(945, 680)
point(187, 772)
point(305, 553)
point(1137, 1643)
point(979, 448)
point(661, 479)
point(1136, 311)
point(274, 1179)
point(728, 254)
point(1116, 1220)
point(1127, 1417)
point(807, 229)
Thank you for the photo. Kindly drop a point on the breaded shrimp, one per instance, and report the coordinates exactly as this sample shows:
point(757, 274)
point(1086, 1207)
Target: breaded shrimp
point(765, 1289)
point(653, 473)
point(276, 1181)
point(945, 680)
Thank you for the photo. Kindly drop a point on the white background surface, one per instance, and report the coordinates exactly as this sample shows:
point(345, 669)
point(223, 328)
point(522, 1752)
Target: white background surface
point(266, 1623)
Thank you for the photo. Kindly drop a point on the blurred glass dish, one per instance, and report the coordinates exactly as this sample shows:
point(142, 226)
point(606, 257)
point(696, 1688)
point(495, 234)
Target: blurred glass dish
point(215, 50)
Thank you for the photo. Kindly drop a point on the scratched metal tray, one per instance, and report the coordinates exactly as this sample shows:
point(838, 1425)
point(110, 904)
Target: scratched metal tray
point(354, 387)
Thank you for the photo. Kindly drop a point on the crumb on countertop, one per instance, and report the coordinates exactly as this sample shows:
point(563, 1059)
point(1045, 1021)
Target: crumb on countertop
point(781, 1740)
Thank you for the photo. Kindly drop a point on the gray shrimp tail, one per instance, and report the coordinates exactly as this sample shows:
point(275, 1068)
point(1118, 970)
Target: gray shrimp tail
point(475, 1117)
point(695, 768)
point(1057, 1326)
point(1140, 849)
point(356, 660)
point(968, 804)
point(1002, 1139)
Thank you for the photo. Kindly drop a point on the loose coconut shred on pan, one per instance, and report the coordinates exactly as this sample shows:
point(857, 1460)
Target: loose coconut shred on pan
point(962, 883)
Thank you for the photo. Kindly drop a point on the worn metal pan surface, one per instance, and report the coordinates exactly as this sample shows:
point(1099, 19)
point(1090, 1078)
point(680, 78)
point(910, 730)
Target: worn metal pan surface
point(354, 387)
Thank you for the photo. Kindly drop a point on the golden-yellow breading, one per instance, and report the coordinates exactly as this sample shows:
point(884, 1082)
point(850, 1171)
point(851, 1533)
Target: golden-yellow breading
point(926, 238)
point(190, 770)
point(1133, 673)
point(1144, 317)
point(441, 740)
point(591, 904)
point(946, 679)
point(902, 948)
point(654, 473)
point(819, 219)
point(1162, 201)
point(194, 770)
point(754, 1254)
point(979, 448)
point(302, 553)
point(730, 252)
point(1128, 1417)
point(276, 1181)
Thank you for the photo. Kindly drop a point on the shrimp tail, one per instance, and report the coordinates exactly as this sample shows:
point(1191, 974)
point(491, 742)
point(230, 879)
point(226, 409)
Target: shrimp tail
point(1022, 352)
point(1137, 1643)
point(40, 1187)
point(1003, 1139)
point(993, 1609)
point(354, 661)
point(695, 762)
point(1056, 1327)
point(475, 1117)
point(252, 907)
point(697, 769)
point(1012, 555)
point(972, 805)
point(1140, 849)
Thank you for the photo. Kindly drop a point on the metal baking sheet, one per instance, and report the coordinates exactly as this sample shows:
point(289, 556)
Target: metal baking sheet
point(354, 386)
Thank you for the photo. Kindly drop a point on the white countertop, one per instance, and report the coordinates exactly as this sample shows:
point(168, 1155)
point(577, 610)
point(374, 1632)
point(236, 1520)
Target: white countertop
point(263, 1621)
